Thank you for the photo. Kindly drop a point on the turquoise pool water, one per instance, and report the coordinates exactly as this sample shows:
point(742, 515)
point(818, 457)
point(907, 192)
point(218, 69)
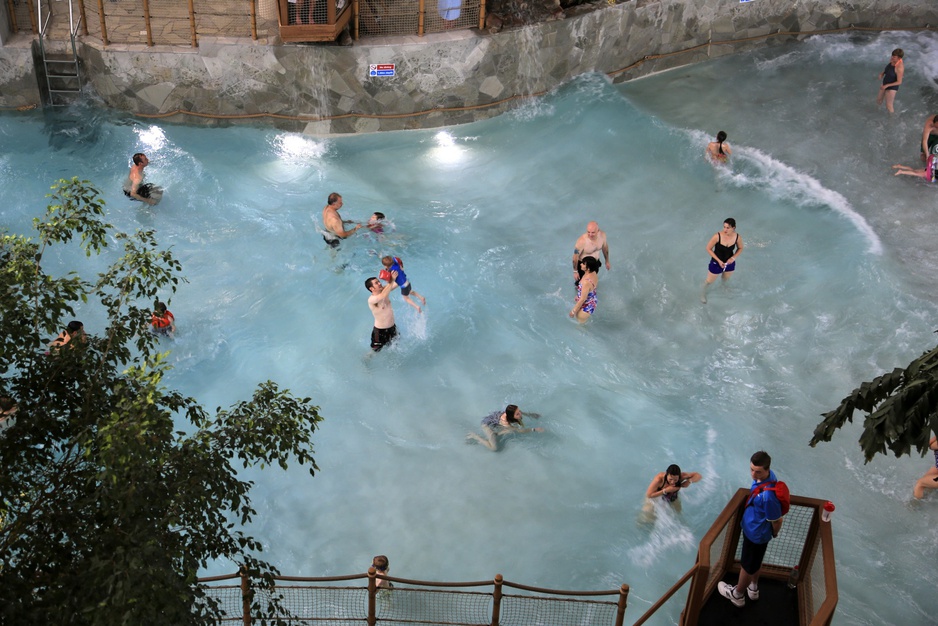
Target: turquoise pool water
point(833, 287)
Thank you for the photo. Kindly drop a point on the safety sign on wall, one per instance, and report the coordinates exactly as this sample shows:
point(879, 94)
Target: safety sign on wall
point(385, 69)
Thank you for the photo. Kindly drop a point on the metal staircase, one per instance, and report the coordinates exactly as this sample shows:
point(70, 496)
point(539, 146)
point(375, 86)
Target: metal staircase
point(61, 69)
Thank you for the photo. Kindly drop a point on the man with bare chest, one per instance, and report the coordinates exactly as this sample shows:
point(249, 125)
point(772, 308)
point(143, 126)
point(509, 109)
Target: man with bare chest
point(333, 224)
point(590, 243)
point(380, 305)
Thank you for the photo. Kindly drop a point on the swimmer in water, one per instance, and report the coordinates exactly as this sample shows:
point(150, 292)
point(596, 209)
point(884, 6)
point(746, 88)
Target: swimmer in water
point(929, 172)
point(394, 269)
point(723, 249)
point(666, 485)
point(586, 299)
point(376, 222)
point(930, 479)
point(500, 423)
point(892, 78)
point(382, 567)
point(719, 151)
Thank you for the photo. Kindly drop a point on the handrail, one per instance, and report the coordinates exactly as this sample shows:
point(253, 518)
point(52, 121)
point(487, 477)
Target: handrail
point(667, 596)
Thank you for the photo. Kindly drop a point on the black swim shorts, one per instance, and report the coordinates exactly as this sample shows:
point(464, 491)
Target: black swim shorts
point(382, 336)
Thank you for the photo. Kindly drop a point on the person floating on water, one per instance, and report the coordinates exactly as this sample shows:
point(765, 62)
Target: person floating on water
point(376, 223)
point(380, 304)
point(501, 423)
point(590, 243)
point(666, 485)
point(135, 188)
point(333, 224)
point(586, 298)
point(394, 270)
point(930, 137)
point(892, 78)
point(719, 151)
point(162, 321)
point(929, 172)
point(723, 249)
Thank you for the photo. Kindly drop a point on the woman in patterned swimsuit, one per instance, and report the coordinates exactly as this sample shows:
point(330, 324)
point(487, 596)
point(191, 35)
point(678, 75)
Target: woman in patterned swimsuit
point(502, 423)
point(586, 290)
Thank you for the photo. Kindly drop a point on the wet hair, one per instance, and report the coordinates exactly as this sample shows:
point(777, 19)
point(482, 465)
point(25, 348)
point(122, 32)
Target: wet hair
point(730, 221)
point(673, 470)
point(510, 411)
point(333, 198)
point(380, 563)
point(934, 120)
point(138, 158)
point(74, 326)
point(369, 282)
point(761, 459)
point(898, 53)
point(379, 215)
point(387, 261)
point(721, 137)
point(591, 263)
point(6, 403)
point(159, 307)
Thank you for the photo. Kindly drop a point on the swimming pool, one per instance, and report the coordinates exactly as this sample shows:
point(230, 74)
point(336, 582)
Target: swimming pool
point(831, 289)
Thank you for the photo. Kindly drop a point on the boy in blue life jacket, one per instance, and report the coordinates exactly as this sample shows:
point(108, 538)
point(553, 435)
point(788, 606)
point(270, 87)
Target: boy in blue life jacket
point(392, 265)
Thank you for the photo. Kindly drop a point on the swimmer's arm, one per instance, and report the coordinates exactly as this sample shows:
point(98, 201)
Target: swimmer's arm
point(576, 258)
point(900, 70)
point(606, 254)
point(710, 244)
point(653, 491)
point(925, 135)
point(136, 196)
point(933, 444)
point(739, 249)
point(579, 303)
point(339, 230)
point(689, 477)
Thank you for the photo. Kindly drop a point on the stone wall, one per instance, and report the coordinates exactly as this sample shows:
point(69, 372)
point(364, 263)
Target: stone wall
point(440, 79)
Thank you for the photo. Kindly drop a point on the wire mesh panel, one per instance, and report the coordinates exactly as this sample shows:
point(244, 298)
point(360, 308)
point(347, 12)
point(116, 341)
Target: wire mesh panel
point(382, 18)
point(169, 22)
point(784, 552)
point(329, 606)
point(537, 611)
point(228, 598)
point(24, 14)
point(406, 605)
point(440, 15)
point(223, 18)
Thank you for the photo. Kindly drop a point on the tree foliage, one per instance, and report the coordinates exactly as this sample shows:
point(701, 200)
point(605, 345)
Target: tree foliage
point(901, 410)
point(108, 511)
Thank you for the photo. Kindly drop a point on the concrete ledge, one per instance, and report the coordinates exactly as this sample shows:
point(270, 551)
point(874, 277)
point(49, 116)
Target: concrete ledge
point(441, 79)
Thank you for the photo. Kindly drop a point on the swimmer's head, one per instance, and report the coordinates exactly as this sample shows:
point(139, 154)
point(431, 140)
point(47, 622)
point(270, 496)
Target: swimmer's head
point(934, 120)
point(74, 326)
point(673, 474)
point(369, 282)
point(376, 217)
point(730, 222)
point(6, 404)
point(592, 263)
point(387, 261)
point(159, 308)
point(510, 413)
point(721, 136)
point(333, 198)
point(380, 563)
point(140, 158)
point(898, 53)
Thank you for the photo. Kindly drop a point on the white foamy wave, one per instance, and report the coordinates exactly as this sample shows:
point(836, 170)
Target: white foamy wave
point(668, 532)
point(781, 181)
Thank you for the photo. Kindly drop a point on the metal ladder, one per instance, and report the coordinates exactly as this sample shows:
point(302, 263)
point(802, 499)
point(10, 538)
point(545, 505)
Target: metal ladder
point(62, 70)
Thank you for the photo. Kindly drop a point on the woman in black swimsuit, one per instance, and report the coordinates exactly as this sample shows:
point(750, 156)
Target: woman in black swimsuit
point(723, 249)
point(892, 78)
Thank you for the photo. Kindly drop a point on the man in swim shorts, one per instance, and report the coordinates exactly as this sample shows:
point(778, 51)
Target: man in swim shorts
point(590, 243)
point(134, 187)
point(380, 305)
point(333, 224)
point(930, 137)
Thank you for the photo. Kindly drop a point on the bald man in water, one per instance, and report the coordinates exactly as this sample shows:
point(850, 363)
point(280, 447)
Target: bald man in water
point(590, 243)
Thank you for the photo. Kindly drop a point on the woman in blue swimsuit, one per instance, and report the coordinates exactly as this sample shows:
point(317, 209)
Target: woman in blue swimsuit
point(502, 423)
point(892, 78)
point(586, 290)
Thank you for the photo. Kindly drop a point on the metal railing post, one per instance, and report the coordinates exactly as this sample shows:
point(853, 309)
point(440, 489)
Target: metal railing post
point(497, 600)
point(481, 14)
point(253, 4)
point(421, 11)
point(623, 597)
